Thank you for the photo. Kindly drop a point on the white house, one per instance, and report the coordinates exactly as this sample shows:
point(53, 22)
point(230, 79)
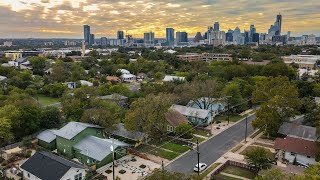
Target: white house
point(45, 165)
point(194, 115)
point(71, 85)
point(86, 83)
point(296, 150)
point(128, 77)
point(173, 78)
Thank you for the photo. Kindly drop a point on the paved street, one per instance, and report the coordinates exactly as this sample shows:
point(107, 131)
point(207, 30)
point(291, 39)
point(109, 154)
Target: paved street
point(212, 149)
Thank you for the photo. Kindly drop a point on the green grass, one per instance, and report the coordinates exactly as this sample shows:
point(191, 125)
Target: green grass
point(202, 133)
point(236, 148)
point(199, 138)
point(249, 148)
point(158, 152)
point(233, 118)
point(45, 100)
point(239, 172)
point(207, 171)
point(224, 177)
point(175, 147)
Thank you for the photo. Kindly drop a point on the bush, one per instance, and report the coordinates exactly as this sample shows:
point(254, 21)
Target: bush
point(122, 171)
point(185, 129)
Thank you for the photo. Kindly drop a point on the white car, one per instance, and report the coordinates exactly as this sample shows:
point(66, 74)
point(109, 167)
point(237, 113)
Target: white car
point(202, 167)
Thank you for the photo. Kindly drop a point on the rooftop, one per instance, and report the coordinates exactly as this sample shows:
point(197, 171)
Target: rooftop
point(47, 135)
point(300, 131)
point(97, 148)
point(172, 78)
point(175, 118)
point(297, 145)
point(73, 128)
point(189, 111)
point(48, 166)
point(123, 132)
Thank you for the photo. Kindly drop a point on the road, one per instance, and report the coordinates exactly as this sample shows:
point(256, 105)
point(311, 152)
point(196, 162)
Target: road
point(212, 149)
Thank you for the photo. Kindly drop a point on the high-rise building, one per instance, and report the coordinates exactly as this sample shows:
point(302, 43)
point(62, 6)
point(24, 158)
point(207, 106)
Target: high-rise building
point(91, 41)
point(120, 35)
point(170, 36)
point(237, 36)
point(181, 37)
point(229, 36)
point(86, 32)
point(103, 41)
point(246, 37)
point(149, 38)
point(216, 26)
point(252, 31)
point(279, 24)
point(198, 37)
point(255, 37)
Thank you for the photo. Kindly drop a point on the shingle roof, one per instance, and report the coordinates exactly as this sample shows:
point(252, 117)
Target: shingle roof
point(2, 78)
point(296, 145)
point(175, 118)
point(97, 148)
point(296, 130)
point(47, 135)
point(48, 166)
point(172, 78)
point(189, 111)
point(113, 97)
point(73, 128)
point(123, 132)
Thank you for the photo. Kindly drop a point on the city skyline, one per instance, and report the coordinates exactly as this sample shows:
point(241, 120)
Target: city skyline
point(65, 19)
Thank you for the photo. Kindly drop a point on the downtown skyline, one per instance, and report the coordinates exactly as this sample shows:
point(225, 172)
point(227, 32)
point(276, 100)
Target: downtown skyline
point(64, 19)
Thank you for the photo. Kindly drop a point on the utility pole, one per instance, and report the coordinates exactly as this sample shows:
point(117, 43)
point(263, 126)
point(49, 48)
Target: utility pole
point(113, 174)
point(198, 152)
point(162, 170)
point(228, 111)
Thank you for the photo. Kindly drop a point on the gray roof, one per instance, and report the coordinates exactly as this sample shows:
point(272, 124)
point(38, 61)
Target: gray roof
point(2, 78)
point(123, 132)
point(298, 131)
point(189, 111)
point(97, 148)
point(113, 97)
point(48, 166)
point(47, 135)
point(73, 128)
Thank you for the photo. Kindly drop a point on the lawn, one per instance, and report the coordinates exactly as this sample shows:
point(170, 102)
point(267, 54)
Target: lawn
point(207, 171)
point(194, 139)
point(202, 133)
point(158, 152)
point(239, 172)
point(233, 118)
point(175, 147)
point(45, 100)
point(236, 148)
point(221, 176)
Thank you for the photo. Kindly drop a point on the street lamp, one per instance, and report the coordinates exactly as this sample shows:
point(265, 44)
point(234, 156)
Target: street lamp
point(245, 138)
point(198, 152)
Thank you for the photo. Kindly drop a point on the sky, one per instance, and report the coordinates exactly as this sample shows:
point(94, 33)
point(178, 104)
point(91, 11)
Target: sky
point(65, 18)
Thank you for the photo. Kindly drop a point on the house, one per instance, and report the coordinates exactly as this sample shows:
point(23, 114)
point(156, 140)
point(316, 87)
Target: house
point(128, 78)
point(174, 119)
point(73, 133)
point(86, 83)
point(209, 104)
point(71, 85)
point(124, 71)
point(298, 131)
point(296, 150)
point(2, 78)
point(47, 139)
point(97, 152)
point(123, 132)
point(141, 76)
point(173, 78)
point(117, 98)
point(48, 166)
point(195, 116)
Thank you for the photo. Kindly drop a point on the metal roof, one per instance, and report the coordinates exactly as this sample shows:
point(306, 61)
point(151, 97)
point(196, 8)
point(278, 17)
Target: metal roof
point(73, 128)
point(97, 148)
point(123, 132)
point(189, 111)
point(172, 78)
point(47, 135)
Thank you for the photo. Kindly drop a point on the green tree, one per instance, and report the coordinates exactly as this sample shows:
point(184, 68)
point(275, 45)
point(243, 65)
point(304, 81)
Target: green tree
point(272, 174)
point(54, 90)
point(184, 129)
point(38, 65)
point(233, 90)
point(51, 117)
point(258, 158)
point(165, 175)
point(72, 109)
point(148, 114)
point(5, 131)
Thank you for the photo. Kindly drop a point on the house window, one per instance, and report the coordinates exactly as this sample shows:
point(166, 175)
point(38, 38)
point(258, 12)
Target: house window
point(78, 177)
point(292, 153)
point(308, 156)
point(28, 174)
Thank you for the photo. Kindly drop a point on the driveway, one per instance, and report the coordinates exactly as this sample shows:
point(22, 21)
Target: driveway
point(212, 149)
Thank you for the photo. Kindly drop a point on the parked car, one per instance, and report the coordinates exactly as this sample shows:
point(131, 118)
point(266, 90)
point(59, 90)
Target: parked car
point(202, 166)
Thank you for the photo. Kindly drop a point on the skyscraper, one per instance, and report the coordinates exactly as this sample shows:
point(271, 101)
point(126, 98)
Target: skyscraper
point(279, 24)
point(170, 36)
point(103, 41)
point(86, 32)
point(216, 26)
point(181, 37)
point(120, 35)
point(91, 41)
point(252, 31)
point(149, 38)
point(229, 36)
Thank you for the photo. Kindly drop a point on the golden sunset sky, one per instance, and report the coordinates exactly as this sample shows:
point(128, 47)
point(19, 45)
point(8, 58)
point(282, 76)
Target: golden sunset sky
point(65, 18)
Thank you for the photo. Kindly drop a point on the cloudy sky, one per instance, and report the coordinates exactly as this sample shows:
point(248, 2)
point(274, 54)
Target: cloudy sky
point(65, 18)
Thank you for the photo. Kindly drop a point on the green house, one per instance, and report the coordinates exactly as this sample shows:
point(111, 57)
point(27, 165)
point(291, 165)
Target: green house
point(47, 139)
point(73, 133)
point(97, 152)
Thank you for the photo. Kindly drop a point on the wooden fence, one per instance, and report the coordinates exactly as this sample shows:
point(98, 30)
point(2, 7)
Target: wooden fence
point(229, 163)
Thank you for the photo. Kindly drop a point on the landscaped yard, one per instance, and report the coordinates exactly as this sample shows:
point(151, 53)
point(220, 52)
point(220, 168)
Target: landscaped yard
point(199, 138)
point(233, 118)
point(207, 171)
point(239, 172)
point(271, 155)
point(221, 176)
point(158, 152)
point(202, 133)
point(175, 147)
point(45, 100)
